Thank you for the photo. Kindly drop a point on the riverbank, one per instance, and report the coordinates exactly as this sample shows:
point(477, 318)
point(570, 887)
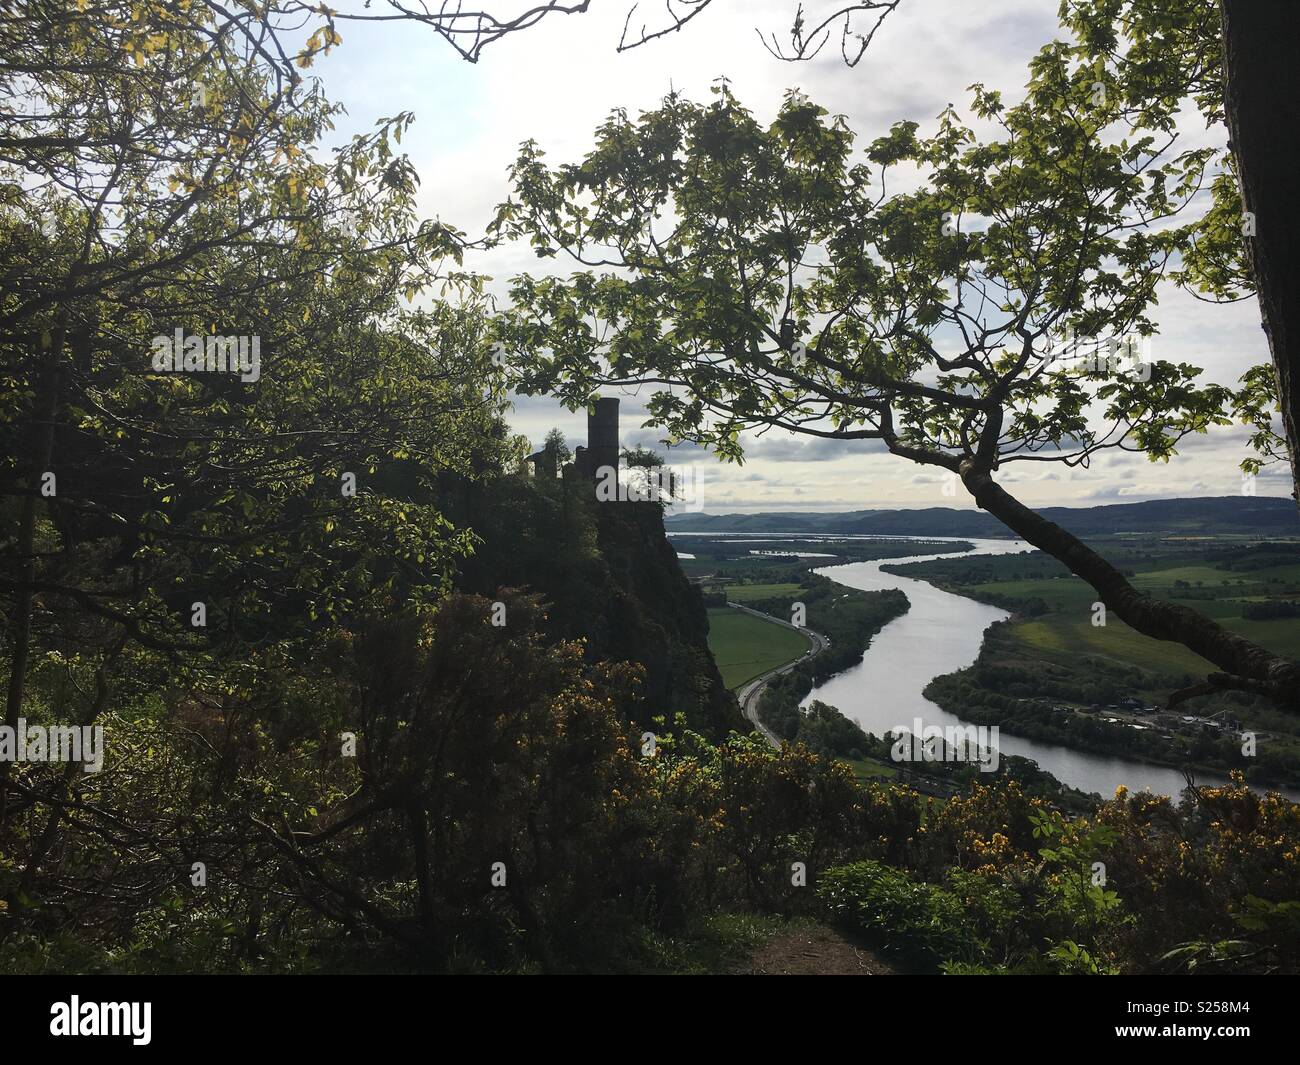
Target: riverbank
point(1051, 673)
point(942, 634)
point(985, 693)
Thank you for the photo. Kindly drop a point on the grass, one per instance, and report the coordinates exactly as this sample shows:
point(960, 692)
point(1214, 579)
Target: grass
point(1069, 627)
point(1076, 636)
point(711, 945)
point(865, 769)
point(745, 646)
point(748, 593)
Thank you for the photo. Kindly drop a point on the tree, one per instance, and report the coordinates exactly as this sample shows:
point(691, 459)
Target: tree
point(1225, 58)
point(807, 36)
point(202, 529)
point(158, 178)
point(1261, 98)
point(719, 243)
point(486, 750)
point(643, 457)
point(555, 446)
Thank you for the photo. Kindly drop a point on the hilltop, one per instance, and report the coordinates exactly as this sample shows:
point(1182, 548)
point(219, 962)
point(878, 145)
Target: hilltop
point(1243, 515)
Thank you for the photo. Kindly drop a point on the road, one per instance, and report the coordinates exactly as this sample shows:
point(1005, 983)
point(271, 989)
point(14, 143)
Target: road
point(752, 691)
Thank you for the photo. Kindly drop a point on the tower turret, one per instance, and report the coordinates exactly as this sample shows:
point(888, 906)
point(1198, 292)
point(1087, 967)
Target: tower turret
point(602, 435)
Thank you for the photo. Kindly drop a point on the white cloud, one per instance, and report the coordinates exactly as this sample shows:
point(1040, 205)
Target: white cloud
point(558, 81)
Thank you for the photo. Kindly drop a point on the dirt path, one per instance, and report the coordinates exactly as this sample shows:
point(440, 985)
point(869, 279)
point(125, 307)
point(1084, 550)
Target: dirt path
point(813, 950)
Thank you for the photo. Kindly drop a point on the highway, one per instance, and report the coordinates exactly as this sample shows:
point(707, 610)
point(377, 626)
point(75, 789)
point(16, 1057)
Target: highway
point(752, 691)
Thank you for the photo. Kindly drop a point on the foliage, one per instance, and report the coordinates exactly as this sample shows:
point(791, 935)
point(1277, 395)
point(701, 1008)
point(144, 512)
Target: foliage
point(409, 733)
point(715, 216)
point(994, 314)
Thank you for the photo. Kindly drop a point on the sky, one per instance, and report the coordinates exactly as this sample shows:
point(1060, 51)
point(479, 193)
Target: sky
point(557, 81)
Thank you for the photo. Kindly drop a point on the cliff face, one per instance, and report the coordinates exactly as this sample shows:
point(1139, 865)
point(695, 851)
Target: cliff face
point(610, 577)
point(658, 618)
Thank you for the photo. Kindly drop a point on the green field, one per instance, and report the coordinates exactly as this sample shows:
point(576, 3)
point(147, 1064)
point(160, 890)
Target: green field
point(1069, 626)
point(1073, 636)
point(865, 769)
point(1054, 630)
point(748, 593)
point(745, 646)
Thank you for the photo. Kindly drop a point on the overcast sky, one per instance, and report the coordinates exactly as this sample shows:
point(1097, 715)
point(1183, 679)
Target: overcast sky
point(557, 81)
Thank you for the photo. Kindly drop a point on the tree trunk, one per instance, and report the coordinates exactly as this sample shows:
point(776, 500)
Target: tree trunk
point(47, 405)
point(1262, 104)
point(64, 792)
point(1245, 664)
point(418, 823)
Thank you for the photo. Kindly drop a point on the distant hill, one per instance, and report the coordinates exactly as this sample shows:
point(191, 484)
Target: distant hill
point(1263, 516)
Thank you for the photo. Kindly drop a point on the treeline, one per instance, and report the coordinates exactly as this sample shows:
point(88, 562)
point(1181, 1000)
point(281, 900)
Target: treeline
point(847, 617)
point(1271, 610)
point(1018, 699)
point(824, 730)
point(1255, 556)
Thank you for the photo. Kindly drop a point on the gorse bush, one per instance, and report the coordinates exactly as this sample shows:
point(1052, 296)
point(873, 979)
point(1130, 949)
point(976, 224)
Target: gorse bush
point(995, 882)
point(478, 745)
point(891, 908)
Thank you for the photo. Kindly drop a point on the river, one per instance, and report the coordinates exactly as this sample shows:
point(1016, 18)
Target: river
point(942, 633)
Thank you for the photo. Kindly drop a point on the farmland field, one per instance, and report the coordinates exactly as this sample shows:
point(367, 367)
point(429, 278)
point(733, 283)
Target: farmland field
point(745, 646)
point(748, 593)
point(1056, 609)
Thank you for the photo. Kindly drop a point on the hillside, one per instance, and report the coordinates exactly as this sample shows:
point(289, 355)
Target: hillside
point(609, 577)
point(1245, 515)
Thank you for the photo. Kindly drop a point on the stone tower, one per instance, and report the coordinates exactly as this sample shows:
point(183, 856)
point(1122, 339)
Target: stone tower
point(602, 435)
